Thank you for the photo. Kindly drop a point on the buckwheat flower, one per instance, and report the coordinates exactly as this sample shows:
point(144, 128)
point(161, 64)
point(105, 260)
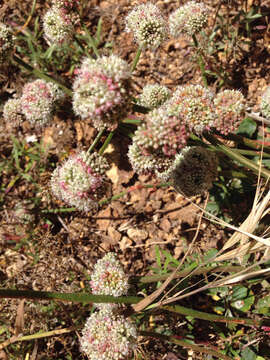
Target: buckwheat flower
point(230, 109)
point(80, 181)
point(154, 96)
point(189, 19)
point(6, 42)
point(108, 336)
point(265, 103)
point(38, 101)
point(58, 26)
point(148, 25)
point(12, 112)
point(193, 171)
point(68, 5)
point(101, 91)
point(194, 104)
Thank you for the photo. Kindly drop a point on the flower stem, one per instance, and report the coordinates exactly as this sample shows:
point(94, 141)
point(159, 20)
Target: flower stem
point(41, 75)
point(200, 61)
point(136, 59)
point(106, 143)
point(94, 143)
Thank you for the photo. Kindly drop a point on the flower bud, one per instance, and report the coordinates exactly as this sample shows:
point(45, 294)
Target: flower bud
point(154, 96)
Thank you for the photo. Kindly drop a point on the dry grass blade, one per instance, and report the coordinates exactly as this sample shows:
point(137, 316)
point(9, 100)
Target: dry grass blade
point(19, 322)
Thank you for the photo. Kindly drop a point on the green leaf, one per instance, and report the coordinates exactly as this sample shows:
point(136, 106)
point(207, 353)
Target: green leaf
point(247, 127)
point(210, 254)
point(239, 293)
point(263, 305)
point(248, 354)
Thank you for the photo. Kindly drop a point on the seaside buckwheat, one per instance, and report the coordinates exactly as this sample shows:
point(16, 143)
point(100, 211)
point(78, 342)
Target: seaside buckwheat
point(107, 336)
point(154, 96)
point(265, 103)
point(230, 110)
point(189, 19)
point(193, 171)
point(12, 112)
point(148, 25)
point(101, 91)
point(6, 43)
point(80, 181)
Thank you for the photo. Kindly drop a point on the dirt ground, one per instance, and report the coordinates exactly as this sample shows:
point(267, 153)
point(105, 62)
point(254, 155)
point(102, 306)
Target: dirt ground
point(64, 247)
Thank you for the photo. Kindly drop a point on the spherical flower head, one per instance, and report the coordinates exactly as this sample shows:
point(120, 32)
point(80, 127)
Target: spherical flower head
point(58, 27)
point(189, 19)
point(6, 42)
point(108, 337)
point(108, 277)
point(38, 101)
point(80, 181)
point(101, 91)
point(148, 25)
point(193, 171)
point(194, 104)
point(230, 109)
point(68, 5)
point(265, 103)
point(12, 112)
point(154, 96)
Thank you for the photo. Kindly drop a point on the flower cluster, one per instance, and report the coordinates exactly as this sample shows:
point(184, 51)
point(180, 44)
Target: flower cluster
point(101, 91)
point(189, 19)
point(107, 336)
point(154, 96)
point(156, 141)
point(80, 181)
point(12, 112)
point(148, 25)
point(67, 5)
point(230, 109)
point(194, 104)
point(265, 103)
point(38, 101)
point(6, 42)
point(193, 171)
point(58, 26)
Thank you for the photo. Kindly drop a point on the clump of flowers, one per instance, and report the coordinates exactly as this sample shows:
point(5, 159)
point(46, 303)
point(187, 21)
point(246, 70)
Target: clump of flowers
point(101, 91)
point(109, 278)
point(12, 112)
point(193, 171)
point(58, 26)
point(230, 109)
point(81, 181)
point(157, 141)
point(107, 336)
point(38, 101)
point(194, 104)
point(148, 25)
point(265, 103)
point(189, 19)
point(6, 42)
point(154, 96)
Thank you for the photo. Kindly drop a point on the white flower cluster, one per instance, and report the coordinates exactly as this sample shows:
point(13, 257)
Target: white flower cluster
point(12, 112)
point(38, 101)
point(154, 96)
point(148, 25)
point(265, 103)
point(193, 171)
point(189, 19)
point(6, 42)
point(80, 181)
point(107, 336)
point(101, 91)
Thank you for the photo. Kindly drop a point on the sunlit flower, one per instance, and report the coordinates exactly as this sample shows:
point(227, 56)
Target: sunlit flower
point(107, 336)
point(12, 112)
point(6, 42)
point(148, 25)
point(81, 181)
point(154, 96)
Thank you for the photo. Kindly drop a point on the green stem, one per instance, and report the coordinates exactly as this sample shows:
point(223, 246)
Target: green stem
point(140, 109)
point(73, 297)
point(106, 143)
point(200, 61)
point(210, 317)
point(136, 59)
point(91, 41)
point(237, 157)
point(251, 153)
point(41, 75)
point(56, 211)
point(93, 145)
point(78, 42)
point(185, 344)
point(131, 121)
